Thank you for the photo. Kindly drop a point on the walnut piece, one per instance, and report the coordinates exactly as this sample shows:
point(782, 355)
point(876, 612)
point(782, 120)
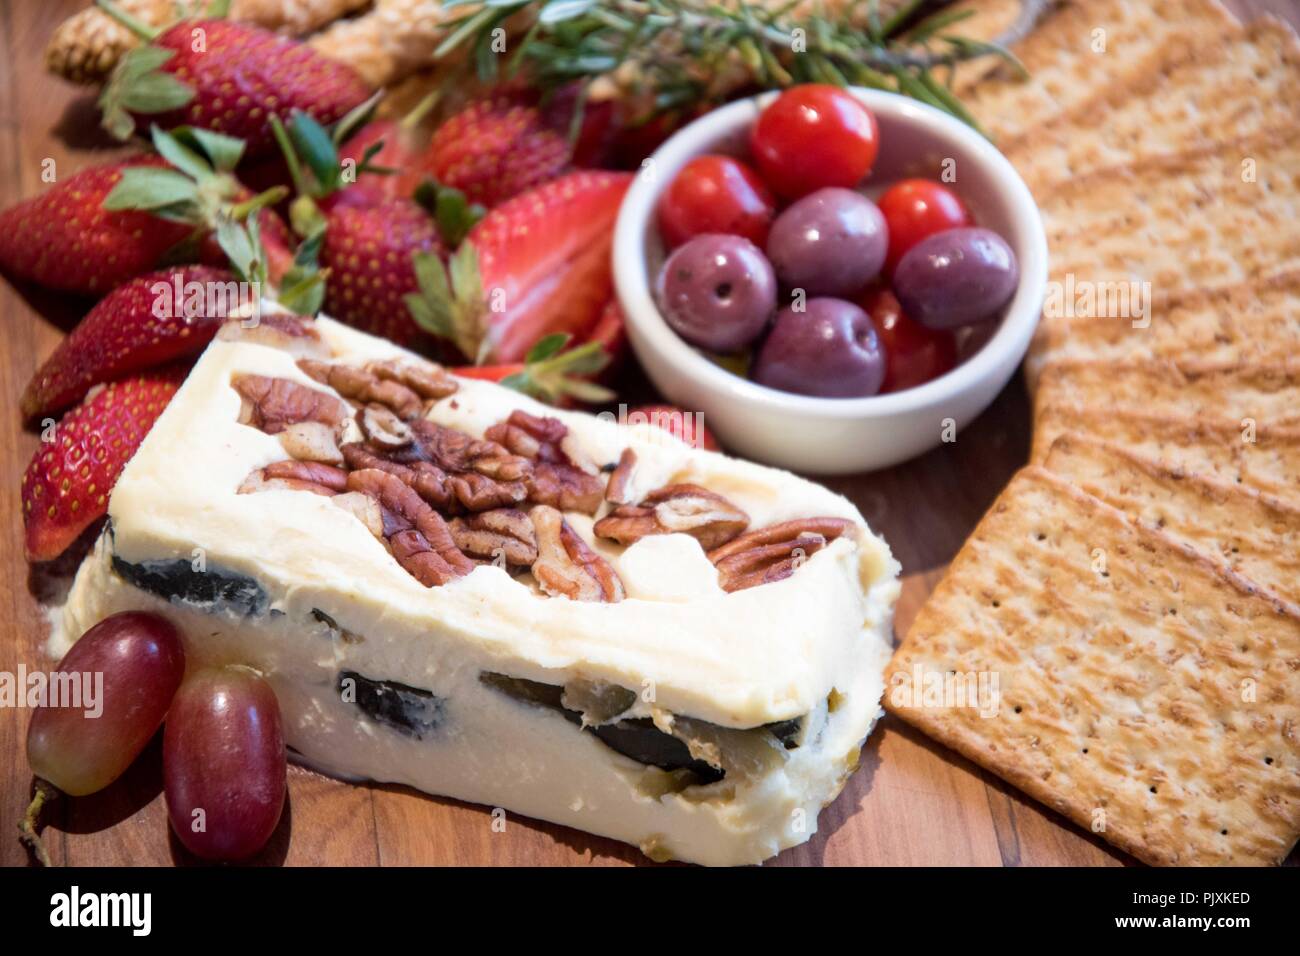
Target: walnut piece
point(775, 552)
point(419, 537)
point(502, 533)
point(272, 404)
point(554, 480)
point(686, 509)
point(566, 566)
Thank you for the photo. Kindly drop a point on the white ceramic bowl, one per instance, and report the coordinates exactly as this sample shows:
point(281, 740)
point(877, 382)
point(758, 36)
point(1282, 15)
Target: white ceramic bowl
point(836, 435)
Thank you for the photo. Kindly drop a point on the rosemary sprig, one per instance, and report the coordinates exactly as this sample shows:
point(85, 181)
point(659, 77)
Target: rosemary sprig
point(670, 53)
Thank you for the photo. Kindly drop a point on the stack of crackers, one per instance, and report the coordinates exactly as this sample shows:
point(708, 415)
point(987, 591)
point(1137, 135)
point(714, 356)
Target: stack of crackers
point(1134, 593)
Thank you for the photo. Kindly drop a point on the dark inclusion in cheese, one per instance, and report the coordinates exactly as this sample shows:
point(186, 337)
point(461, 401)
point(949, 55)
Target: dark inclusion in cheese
point(408, 710)
point(637, 738)
point(213, 589)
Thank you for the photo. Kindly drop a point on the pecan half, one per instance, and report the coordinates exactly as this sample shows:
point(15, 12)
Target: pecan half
point(555, 480)
point(453, 493)
point(454, 451)
point(616, 491)
point(297, 476)
point(288, 333)
point(311, 441)
point(418, 535)
point(686, 509)
point(271, 404)
point(428, 380)
point(492, 535)
point(382, 427)
point(775, 552)
point(365, 509)
point(566, 566)
point(364, 386)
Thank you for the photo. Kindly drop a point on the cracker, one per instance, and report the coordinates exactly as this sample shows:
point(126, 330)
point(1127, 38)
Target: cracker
point(1065, 66)
point(1235, 324)
point(1266, 459)
point(1262, 394)
point(1255, 535)
point(1210, 219)
point(1210, 90)
point(1145, 692)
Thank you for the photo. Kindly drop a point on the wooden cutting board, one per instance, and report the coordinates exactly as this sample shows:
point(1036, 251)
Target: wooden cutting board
point(910, 802)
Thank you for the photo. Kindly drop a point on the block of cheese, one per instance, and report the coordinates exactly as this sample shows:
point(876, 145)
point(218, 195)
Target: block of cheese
point(453, 587)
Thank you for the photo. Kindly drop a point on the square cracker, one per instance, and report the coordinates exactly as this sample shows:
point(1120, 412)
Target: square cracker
point(1209, 89)
point(1263, 393)
point(1237, 323)
point(1213, 218)
point(1221, 449)
point(1146, 693)
point(1065, 66)
point(1256, 535)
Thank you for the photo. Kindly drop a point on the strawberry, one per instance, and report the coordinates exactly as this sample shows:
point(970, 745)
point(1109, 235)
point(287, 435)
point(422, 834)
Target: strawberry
point(536, 265)
point(496, 148)
point(227, 77)
point(68, 481)
point(368, 254)
point(141, 324)
point(385, 144)
point(64, 239)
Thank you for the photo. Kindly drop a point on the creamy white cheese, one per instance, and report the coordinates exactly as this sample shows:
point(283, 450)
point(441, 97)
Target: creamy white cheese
point(739, 660)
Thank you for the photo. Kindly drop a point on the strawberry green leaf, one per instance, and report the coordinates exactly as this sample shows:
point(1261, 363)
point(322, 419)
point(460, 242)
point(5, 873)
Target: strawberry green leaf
point(354, 119)
point(138, 85)
point(224, 152)
point(314, 147)
point(454, 215)
point(547, 346)
point(450, 302)
point(152, 189)
point(180, 155)
point(218, 10)
point(549, 374)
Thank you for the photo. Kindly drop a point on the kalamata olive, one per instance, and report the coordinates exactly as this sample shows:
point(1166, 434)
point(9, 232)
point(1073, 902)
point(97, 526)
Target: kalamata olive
point(831, 242)
point(956, 277)
point(829, 348)
point(717, 292)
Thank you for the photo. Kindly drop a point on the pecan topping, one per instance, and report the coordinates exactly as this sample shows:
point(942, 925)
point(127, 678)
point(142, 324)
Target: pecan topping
point(279, 330)
point(503, 533)
point(555, 479)
point(450, 493)
point(686, 509)
point(773, 553)
point(271, 404)
point(431, 382)
point(363, 386)
point(566, 566)
point(296, 476)
point(454, 451)
point(620, 478)
point(382, 427)
point(418, 535)
point(365, 509)
point(311, 441)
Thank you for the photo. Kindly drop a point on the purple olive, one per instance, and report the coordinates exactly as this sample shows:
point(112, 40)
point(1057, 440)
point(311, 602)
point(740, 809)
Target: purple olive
point(717, 292)
point(829, 349)
point(831, 242)
point(956, 277)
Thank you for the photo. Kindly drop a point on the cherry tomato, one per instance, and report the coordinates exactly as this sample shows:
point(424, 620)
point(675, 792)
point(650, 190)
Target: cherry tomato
point(679, 423)
point(913, 354)
point(715, 194)
point(915, 209)
point(814, 136)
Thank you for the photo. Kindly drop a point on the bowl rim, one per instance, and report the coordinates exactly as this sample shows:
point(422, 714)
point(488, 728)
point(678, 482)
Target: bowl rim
point(634, 284)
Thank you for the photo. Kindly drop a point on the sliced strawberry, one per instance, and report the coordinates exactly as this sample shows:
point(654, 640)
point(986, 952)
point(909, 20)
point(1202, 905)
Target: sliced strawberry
point(69, 479)
point(146, 322)
point(610, 332)
point(64, 239)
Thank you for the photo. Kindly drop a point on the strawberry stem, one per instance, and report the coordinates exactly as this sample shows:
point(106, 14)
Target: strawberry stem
point(144, 31)
point(28, 824)
point(270, 197)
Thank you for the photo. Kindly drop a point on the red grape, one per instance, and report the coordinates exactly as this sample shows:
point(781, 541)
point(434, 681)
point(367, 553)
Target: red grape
point(141, 662)
point(224, 763)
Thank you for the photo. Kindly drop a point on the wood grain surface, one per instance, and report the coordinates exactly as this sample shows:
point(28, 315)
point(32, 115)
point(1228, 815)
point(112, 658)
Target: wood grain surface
point(911, 802)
